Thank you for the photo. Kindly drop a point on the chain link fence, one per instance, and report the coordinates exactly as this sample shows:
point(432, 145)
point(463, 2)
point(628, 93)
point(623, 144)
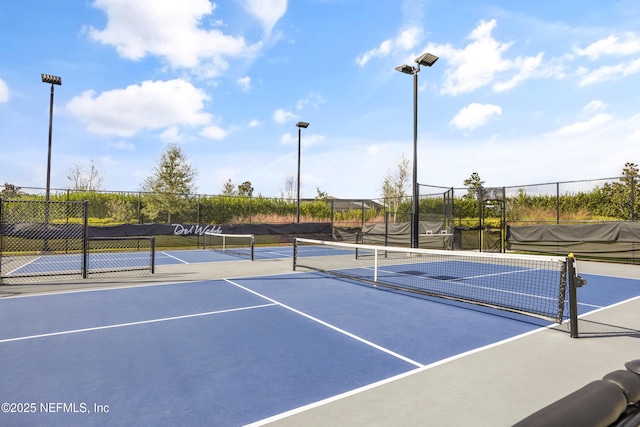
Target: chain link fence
point(40, 239)
point(480, 223)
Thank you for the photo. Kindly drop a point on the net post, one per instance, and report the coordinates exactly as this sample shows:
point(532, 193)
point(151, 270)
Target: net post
point(252, 246)
point(375, 265)
point(573, 303)
point(153, 254)
point(295, 252)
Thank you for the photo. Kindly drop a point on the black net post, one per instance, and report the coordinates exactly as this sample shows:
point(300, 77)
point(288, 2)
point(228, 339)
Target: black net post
point(153, 254)
point(575, 282)
point(295, 253)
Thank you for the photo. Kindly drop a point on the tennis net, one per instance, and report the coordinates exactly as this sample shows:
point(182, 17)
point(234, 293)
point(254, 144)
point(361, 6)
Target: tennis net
point(235, 244)
point(531, 285)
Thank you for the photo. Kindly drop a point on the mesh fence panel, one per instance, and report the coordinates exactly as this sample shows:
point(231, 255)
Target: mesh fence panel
point(47, 240)
point(120, 255)
point(41, 239)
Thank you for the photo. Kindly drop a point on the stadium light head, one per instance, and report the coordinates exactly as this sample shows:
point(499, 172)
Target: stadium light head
point(54, 80)
point(302, 124)
point(426, 59)
point(407, 69)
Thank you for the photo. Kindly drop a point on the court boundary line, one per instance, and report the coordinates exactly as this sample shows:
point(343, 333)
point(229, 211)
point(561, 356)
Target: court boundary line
point(109, 288)
point(174, 257)
point(380, 383)
point(140, 322)
point(330, 326)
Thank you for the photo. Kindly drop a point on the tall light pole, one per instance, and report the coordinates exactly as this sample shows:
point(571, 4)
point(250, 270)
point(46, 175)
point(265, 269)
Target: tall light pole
point(428, 60)
point(300, 126)
point(53, 80)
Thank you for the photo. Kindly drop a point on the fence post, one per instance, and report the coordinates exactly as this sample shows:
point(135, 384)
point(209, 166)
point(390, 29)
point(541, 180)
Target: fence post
point(557, 203)
point(633, 198)
point(85, 243)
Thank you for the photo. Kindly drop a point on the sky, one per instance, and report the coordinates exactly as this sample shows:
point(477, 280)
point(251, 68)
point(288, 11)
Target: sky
point(522, 92)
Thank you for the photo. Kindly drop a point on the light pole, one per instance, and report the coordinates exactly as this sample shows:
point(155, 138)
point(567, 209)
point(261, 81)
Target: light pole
point(428, 60)
point(53, 80)
point(300, 125)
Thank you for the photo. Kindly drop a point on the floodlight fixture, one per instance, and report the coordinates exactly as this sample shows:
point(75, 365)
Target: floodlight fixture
point(426, 59)
point(54, 80)
point(407, 69)
point(300, 125)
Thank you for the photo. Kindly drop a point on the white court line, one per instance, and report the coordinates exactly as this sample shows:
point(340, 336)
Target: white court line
point(23, 265)
point(174, 257)
point(330, 326)
point(359, 390)
point(142, 322)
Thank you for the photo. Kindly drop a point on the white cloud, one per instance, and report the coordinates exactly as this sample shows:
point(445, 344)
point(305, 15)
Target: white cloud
point(609, 72)
point(282, 116)
point(312, 99)
point(255, 123)
point(268, 12)
point(527, 67)
point(214, 132)
point(584, 126)
point(405, 41)
point(121, 145)
point(288, 139)
point(305, 141)
point(475, 115)
point(171, 135)
point(170, 29)
point(611, 45)
point(4, 91)
point(481, 62)
point(151, 105)
point(594, 106)
point(244, 83)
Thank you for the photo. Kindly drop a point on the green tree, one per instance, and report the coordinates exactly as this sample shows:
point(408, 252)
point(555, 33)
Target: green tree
point(10, 191)
point(621, 195)
point(228, 189)
point(245, 189)
point(320, 195)
point(168, 190)
point(473, 184)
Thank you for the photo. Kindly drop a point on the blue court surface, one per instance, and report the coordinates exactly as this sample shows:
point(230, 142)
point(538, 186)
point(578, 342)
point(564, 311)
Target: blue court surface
point(72, 263)
point(233, 352)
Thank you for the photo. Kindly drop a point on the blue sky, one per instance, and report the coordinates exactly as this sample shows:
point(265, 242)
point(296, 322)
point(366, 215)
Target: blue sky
point(522, 93)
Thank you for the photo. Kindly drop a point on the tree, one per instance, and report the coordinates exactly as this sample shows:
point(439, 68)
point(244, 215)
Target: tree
point(394, 186)
point(245, 189)
point(474, 184)
point(10, 191)
point(229, 189)
point(92, 181)
point(289, 192)
point(170, 186)
point(622, 195)
point(321, 195)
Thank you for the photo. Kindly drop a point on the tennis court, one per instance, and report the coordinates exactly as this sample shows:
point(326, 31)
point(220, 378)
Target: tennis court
point(213, 339)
